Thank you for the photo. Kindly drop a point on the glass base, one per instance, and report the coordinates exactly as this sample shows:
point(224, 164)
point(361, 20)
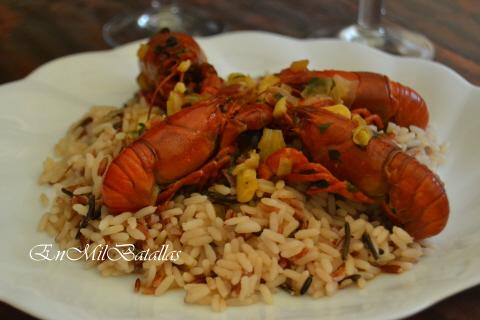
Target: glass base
point(396, 40)
point(131, 27)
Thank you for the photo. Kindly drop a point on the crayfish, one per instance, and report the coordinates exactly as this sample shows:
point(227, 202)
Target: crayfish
point(191, 146)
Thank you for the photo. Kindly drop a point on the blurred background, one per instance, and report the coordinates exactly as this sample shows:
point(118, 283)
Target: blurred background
point(33, 32)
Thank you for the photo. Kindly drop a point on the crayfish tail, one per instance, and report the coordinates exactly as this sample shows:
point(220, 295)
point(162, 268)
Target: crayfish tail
point(412, 109)
point(129, 181)
point(417, 198)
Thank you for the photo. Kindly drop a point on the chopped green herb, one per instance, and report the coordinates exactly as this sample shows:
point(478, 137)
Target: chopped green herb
point(318, 86)
point(278, 96)
point(158, 49)
point(171, 42)
point(141, 128)
point(180, 52)
point(321, 184)
point(351, 187)
point(324, 126)
point(296, 120)
point(334, 154)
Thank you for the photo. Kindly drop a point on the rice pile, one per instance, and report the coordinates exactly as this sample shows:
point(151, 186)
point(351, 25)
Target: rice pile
point(235, 255)
point(419, 143)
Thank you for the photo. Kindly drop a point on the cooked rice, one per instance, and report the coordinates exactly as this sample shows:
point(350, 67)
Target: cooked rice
point(276, 241)
point(422, 144)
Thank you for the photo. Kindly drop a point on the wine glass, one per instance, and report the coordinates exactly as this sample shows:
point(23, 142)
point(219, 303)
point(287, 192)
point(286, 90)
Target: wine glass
point(161, 14)
point(370, 31)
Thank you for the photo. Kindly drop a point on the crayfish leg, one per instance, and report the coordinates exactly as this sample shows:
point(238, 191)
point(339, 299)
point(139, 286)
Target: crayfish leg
point(369, 117)
point(302, 170)
point(198, 177)
point(325, 181)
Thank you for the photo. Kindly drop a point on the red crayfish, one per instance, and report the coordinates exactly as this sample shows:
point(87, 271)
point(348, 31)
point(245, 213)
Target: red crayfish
point(191, 146)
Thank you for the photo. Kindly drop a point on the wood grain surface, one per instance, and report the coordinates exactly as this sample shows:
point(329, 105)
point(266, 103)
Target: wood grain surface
point(33, 32)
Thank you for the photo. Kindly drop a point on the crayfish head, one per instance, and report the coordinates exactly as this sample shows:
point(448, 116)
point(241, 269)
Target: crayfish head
point(161, 57)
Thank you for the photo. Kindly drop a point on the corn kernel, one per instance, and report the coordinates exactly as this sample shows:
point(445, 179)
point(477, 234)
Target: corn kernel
point(180, 88)
point(241, 79)
point(286, 87)
point(251, 163)
point(340, 109)
point(284, 167)
point(142, 50)
point(280, 107)
point(247, 185)
point(358, 120)
point(142, 82)
point(362, 136)
point(184, 66)
point(271, 141)
point(174, 103)
point(267, 82)
point(299, 65)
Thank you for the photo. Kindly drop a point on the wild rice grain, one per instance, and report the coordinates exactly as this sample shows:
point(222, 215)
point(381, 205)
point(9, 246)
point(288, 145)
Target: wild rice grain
point(67, 192)
point(368, 242)
point(306, 285)
point(346, 241)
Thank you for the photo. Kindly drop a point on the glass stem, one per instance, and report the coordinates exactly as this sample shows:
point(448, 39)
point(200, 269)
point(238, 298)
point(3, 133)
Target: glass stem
point(370, 14)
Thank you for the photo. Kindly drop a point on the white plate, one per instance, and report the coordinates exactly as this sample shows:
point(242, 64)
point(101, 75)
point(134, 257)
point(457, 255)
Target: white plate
point(36, 112)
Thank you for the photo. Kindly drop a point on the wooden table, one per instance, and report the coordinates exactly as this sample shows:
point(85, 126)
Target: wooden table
point(34, 32)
